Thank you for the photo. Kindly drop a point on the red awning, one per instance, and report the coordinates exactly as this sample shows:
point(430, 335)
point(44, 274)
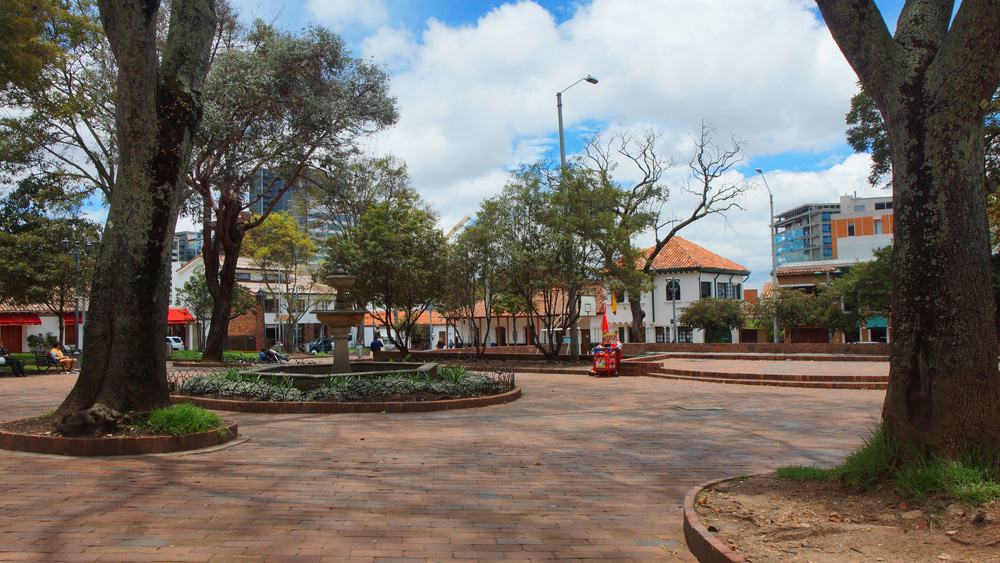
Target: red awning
point(14, 319)
point(69, 319)
point(179, 316)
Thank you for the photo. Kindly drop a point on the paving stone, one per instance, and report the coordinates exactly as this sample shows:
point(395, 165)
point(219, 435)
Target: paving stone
point(577, 469)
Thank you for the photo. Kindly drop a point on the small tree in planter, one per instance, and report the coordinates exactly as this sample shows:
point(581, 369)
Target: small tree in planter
point(713, 315)
point(40, 343)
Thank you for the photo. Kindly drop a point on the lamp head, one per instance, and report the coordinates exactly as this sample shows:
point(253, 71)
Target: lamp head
point(591, 79)
point(758, 170)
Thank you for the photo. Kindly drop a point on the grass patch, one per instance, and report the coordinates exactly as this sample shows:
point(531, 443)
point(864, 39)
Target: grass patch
point(803, 473)
point(183, 418)
point(227, 356)
point(915, 477)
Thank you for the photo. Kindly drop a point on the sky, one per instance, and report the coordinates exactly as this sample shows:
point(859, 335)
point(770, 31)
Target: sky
point(475, 83)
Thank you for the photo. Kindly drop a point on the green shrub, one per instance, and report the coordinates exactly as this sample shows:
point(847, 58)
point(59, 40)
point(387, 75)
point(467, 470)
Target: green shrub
point(183, 418)
point(453, 374)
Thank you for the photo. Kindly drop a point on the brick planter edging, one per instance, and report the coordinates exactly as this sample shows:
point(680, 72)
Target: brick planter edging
point(115, 445)
point(321, 407)
point(705, 547)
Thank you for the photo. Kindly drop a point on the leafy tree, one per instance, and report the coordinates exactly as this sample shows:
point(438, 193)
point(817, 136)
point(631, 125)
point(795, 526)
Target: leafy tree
point(341, 190)
point(277, 105)
point(37, 268)
point(26, 47)
point(283, 252)
point(866, 288)
point(544, 265)
point(713, 315)
point(397, 254)
point(194, 296)
point(474, 276)
point(932, 82)
point(159, 101)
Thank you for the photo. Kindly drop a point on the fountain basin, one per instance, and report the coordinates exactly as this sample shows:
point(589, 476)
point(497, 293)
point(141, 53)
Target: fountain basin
point(340, 318)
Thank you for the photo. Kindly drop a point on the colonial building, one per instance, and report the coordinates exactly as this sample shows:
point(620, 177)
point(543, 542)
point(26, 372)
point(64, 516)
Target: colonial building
point(683, 273)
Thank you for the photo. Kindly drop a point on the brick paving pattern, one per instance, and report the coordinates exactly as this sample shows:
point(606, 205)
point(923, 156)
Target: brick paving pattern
point(579, 468)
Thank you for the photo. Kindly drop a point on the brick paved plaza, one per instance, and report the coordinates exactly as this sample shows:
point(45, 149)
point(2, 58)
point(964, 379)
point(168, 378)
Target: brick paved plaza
point(578, 468)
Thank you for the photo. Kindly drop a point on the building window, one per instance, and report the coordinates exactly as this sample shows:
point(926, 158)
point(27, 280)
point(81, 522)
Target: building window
point(661, 335)
point(621, 334)
point(850, 230)
point(706, 290)
point(859, 208)
point(673, 289)
point(726, 290)
point(878, 226)
point(270, 305)
point(242, 276)
point(685, 334)
point(620, 295)
point(883, 205)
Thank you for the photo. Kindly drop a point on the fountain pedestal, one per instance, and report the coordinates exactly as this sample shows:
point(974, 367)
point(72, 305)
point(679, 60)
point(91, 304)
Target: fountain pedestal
point(340, 321)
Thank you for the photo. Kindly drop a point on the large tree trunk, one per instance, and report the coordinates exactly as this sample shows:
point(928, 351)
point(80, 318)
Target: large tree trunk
point(932, 85)
point(221, 281)
point(158, 109)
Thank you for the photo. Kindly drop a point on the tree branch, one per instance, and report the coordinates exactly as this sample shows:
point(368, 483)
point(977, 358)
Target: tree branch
point(861, 33)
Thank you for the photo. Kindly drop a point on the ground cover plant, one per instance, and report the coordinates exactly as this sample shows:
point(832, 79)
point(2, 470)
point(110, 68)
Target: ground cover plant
point(449, 382)
point(228, 356)
point(183, 418)
point(915, 476)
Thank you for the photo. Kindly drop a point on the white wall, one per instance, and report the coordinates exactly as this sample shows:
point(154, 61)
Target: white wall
point(861, 248)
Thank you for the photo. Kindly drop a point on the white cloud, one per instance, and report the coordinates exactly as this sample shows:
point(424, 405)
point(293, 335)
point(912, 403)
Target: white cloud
point(478, 99)
point(339, 13)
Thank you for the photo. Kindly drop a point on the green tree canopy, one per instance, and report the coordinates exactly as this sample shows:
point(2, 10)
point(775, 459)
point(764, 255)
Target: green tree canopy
point(398, 255)
point(713, 314)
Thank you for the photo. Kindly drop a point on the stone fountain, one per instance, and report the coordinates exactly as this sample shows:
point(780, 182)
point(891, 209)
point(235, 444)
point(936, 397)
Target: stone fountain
point(340, 321)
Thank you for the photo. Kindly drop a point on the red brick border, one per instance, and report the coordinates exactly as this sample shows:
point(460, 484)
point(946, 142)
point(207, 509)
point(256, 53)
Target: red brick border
point(320, 407)
point(705, 547)
point(121, 445)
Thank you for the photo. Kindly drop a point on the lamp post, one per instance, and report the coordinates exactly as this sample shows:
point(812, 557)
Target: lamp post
point(261, 296)
point(79, 308)
point(574, 337)
point(774, 259)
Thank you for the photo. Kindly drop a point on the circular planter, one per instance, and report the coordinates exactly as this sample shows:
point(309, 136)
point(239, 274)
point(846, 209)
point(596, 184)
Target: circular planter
point(322, 407)
point(705, 547)
point(115, 445)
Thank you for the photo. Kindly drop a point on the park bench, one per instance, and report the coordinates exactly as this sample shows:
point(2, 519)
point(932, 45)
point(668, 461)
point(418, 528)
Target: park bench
point(45, 362)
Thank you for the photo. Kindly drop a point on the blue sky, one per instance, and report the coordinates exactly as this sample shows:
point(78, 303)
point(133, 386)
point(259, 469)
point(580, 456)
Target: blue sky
point(475, 83)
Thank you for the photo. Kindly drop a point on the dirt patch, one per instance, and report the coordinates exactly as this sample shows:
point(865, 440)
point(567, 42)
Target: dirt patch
point(43, 426)
point(769, 519)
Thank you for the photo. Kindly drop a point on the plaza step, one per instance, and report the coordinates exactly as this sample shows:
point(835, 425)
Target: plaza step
point(769, 357)
point(776, 382)
point(803, 377)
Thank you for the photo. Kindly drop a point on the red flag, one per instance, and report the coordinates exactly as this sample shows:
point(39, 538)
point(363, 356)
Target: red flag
point(604, 323)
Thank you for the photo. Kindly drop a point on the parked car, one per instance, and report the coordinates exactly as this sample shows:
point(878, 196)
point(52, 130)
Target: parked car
point(175, 342)
point(320, 345)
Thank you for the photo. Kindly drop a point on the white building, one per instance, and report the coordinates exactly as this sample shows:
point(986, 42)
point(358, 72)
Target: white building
point(683, 273)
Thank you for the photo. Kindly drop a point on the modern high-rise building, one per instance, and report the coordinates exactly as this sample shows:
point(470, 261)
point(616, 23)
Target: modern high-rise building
point(296, 201)
point(187, 245)
point(804, 234)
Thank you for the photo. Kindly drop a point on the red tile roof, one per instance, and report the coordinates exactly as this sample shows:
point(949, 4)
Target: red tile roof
point(682, 254)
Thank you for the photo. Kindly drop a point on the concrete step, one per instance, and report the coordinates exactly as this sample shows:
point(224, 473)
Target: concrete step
point(804, 377)
point(776, 383)
point(770, 357)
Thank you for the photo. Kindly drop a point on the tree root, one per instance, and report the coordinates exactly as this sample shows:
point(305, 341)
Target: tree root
point(95, 421)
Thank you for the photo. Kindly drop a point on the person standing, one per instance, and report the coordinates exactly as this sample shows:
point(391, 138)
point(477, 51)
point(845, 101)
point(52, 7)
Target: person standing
point(376, 345)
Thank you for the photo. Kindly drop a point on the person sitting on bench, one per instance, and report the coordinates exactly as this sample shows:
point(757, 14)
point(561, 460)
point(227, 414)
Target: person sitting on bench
point(68, 364)
point(16, 366)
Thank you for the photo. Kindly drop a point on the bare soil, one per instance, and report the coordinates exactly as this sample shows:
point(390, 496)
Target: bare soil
point(769, 519)
point(43, 426)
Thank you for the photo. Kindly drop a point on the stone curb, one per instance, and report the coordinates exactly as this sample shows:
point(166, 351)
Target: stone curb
point(115, 446)
point(319, 407)
point(705, 547)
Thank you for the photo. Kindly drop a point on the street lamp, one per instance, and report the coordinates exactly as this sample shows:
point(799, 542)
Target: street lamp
point(574, 337)
point(261, 296)
point(774, 259)
point(79, 309)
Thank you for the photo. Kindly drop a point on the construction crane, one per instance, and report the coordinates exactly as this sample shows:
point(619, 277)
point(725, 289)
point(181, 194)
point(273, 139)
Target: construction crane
point(458, 227)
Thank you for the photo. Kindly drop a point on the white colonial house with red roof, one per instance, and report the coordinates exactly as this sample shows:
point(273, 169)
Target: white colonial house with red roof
point(683, 272)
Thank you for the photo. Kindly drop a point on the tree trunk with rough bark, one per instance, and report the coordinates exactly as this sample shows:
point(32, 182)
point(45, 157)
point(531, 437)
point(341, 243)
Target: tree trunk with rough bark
point(932, 82)
point(221, 282)
point(637, 330)
point(159, 107)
